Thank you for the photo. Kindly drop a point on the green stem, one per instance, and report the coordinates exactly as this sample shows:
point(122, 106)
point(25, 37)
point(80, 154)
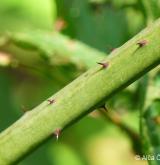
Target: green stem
point(57, 48)
point(126, 64)
point(150, 113)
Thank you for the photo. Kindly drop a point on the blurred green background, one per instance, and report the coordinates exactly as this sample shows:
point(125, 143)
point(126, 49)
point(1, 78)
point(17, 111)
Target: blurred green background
point(38, 57)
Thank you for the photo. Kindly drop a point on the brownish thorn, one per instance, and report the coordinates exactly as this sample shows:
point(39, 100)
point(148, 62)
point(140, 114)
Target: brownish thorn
point(110, 48)
point(103, 64)
point(60, 24)
point(51, 101)
point(142, 43)
point(57, 133)
point(113, 49)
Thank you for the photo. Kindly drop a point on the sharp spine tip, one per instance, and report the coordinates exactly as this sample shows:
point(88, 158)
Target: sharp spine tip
point(142, 43)
point(104, 64)
point(57, 133)
point(51, 101)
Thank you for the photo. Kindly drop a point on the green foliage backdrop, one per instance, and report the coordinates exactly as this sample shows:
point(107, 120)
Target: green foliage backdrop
point(45, 44)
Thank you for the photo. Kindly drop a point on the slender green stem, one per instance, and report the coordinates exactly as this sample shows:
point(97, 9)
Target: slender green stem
point(57, 48)
point(150, 113)
point(126, 64)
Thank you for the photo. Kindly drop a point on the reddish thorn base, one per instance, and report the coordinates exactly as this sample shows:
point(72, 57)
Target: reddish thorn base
point(51, 101)
point(57, 133)
point(142, 43)
point(104, 65)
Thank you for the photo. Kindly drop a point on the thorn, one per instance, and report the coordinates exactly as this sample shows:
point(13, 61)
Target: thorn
point(113, 49)
point(60, 24)
point(110, 48)
point(104, 64)
point(142, 43)
point(57, 133)
point(51, 101)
